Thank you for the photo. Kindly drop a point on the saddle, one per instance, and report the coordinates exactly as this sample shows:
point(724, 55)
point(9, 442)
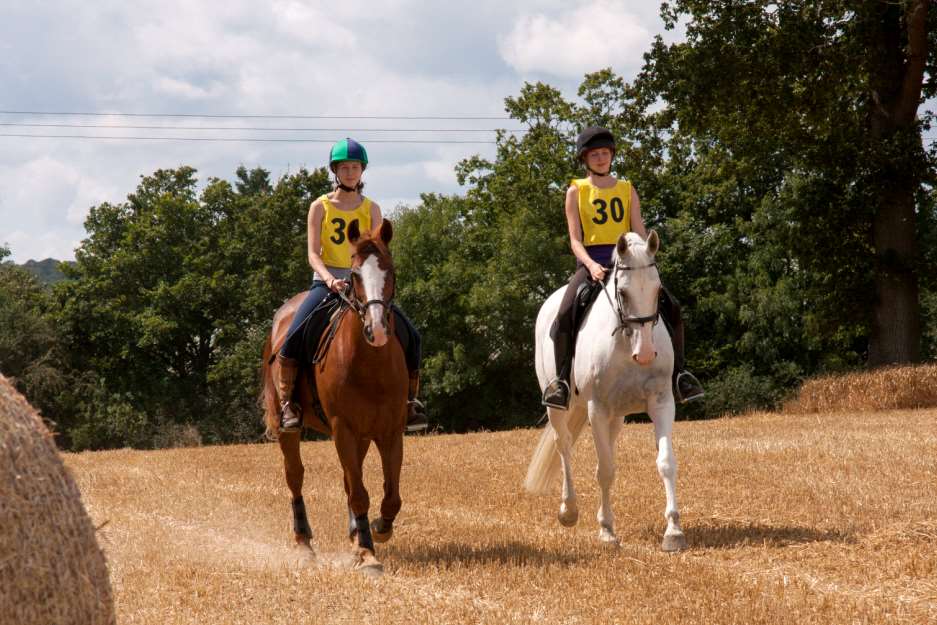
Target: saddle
point(586, 294)
point(318, 331)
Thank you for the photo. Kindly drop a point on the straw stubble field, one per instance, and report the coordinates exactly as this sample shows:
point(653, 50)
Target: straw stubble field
point(791, 519)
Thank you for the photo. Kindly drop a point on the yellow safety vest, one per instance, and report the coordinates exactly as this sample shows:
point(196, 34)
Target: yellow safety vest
point(336, 251)
point(603, 213)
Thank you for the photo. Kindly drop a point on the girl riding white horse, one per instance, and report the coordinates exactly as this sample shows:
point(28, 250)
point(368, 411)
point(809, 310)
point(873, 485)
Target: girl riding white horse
point(622, 365)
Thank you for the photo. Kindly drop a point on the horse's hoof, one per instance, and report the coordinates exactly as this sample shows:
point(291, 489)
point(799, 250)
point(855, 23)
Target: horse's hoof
point(381, 530)
point(608, 537)
point(368, 564)
point(674, 542)
point(303, 542)
point(567, 517)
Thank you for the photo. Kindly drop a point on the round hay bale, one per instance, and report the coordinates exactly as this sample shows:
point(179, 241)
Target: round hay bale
point(51, 567)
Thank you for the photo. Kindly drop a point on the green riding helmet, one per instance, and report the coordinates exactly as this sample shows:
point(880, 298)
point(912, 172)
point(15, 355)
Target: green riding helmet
point(347, 150)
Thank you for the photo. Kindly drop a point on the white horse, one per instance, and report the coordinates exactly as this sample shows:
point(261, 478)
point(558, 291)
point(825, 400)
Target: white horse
point(623, 365)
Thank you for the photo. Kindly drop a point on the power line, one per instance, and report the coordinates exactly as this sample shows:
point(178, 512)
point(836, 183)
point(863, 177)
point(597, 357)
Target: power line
point(258, 128)
point(266, 116)
point(236, 140)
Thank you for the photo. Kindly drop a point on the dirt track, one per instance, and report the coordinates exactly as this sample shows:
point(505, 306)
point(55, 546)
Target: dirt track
point(811, 519)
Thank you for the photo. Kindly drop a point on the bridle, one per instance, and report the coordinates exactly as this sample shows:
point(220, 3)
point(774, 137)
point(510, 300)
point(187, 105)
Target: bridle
point(350, 297)
point(625, 322)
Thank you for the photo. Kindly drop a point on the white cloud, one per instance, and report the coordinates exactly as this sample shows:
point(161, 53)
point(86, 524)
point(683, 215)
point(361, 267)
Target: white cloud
point(306, 23)
point(356, 57)
point(27, 246)
point(50, 189)
point(440, 171)
point(597, 35)
point(187, 90)
point(44, 202)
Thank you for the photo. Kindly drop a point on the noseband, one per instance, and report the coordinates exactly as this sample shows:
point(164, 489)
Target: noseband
point(625, 322)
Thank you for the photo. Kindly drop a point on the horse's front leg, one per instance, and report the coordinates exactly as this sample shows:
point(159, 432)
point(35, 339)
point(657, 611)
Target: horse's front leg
point(351, 452)
point(293, 463)
point(605, 429)
point(661, 410)
point(391, 450)
point(351, 456)
point(569, 511)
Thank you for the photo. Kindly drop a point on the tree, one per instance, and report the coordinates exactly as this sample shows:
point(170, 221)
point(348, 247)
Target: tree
point(29, 347)
point(172, 293)
point(818, 101)
point(475, 269)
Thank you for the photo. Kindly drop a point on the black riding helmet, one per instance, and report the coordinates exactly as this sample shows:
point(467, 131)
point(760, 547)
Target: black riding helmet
point(592, 138)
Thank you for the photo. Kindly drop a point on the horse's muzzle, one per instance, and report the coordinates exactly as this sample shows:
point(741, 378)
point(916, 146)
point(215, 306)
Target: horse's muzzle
point(375, 339)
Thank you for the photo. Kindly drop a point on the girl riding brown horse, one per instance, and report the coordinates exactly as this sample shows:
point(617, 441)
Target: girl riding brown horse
point(366, 369)
point(361, 379)
point(330, 259)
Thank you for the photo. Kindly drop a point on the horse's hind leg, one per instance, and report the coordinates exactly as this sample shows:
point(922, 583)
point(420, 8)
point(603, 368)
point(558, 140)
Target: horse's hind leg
point(569, 510)
point(661, 411)
point(293, 463)
point(391, 450)
point(604, 432)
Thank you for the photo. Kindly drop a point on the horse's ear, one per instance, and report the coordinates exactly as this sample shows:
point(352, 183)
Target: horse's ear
point(386, 231)
point(622, 245)
point(653, 242)
point(354, 233)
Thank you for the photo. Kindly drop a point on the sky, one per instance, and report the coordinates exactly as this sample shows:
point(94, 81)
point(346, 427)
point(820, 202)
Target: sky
point(282, 57)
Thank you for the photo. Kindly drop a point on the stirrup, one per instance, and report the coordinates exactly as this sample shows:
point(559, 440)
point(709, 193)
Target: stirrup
point(416, 420)
point(696, 389)
point(554, 388)
point(293, 423)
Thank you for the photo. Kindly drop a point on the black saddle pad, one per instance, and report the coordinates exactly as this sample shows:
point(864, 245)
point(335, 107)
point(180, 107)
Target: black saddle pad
point(586, 294)
point(316, 325)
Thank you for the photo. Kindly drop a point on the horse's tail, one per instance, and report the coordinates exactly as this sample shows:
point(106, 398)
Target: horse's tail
point(545, 464)
point(268, 397)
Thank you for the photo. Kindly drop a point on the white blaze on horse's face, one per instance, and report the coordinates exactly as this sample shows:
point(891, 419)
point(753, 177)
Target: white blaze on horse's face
point(639, 289)
point(372, 279)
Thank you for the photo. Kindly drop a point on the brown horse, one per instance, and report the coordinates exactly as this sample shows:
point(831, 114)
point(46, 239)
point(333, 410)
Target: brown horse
point(361, 378)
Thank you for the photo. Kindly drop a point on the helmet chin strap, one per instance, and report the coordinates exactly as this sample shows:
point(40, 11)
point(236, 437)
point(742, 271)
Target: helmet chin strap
point(596, 173)
point(344, 187)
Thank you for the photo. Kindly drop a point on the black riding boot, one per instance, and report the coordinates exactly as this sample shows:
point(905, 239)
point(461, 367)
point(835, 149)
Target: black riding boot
point(686, 387)
point(556, 394)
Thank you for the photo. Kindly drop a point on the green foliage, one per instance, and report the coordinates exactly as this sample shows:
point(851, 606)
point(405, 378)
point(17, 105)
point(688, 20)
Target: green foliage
point(777, 102)
point(738, 389)
point(750, 149)
point(474, 270)
point(28, 344)
point(169, 302)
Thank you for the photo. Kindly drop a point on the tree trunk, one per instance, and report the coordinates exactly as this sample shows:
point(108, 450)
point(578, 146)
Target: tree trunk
point(896, 324)
point(898, 52)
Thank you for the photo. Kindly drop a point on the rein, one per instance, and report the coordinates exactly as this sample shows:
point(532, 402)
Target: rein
point(625, 322)
point(350, 301)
